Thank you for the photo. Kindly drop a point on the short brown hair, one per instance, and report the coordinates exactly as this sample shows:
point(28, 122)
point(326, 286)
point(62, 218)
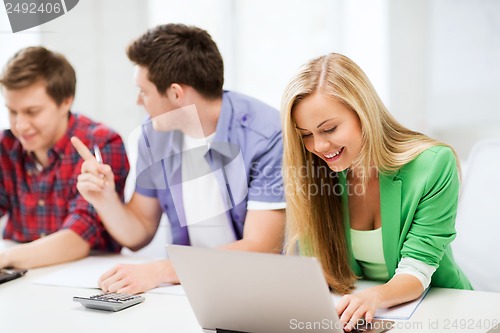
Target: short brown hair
point(32, 64)
point(176, 53)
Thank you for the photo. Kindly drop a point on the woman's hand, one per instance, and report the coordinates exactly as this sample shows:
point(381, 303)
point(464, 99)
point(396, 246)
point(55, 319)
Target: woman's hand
point(354, 307)
point(400, 289)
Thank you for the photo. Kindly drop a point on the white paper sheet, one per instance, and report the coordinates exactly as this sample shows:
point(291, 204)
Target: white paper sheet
point(169, 289)
point(85, 273)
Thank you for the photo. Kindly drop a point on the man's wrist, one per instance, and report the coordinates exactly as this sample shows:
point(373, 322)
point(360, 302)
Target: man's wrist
point(166, 272)
point(108, 203)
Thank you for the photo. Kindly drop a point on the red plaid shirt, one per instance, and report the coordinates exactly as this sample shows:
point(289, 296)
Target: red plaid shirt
point(42, 202)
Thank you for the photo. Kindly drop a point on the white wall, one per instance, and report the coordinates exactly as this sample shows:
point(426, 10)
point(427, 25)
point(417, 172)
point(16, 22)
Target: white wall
point(408, 61)
point(264, 42)
point(463, 104)
point(464, 63)
point(94, 36)
point(272, 40)
point(9, 44)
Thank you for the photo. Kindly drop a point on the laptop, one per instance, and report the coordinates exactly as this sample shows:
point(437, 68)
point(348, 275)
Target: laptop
point(7, 274)
point(232, 291)
point(494, 329)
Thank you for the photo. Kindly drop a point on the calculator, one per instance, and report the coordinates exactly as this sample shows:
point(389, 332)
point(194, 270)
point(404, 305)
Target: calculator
point(110, 301)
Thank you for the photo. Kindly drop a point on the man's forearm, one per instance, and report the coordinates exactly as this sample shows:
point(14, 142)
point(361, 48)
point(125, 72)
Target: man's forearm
point(264, 232)
point(252, 246)
point(122, 224)
point(59, 247)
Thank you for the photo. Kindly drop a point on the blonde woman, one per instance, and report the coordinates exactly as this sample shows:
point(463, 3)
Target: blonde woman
point(365, 195)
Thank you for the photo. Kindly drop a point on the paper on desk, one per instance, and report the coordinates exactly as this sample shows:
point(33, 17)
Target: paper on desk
point(85, 273)
point(169, 289)
point(398, 312)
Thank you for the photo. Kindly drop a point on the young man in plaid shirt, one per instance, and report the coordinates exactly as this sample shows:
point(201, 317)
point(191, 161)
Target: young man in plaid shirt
point(39, 167)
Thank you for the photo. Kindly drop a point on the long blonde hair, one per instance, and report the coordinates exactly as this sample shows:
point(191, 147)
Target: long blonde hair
point(315, 219)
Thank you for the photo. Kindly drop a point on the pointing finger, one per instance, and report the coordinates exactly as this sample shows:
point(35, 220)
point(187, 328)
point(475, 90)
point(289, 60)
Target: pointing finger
point(82, 149)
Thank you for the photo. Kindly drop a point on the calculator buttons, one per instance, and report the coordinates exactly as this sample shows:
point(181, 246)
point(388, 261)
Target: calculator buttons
point(110, 301)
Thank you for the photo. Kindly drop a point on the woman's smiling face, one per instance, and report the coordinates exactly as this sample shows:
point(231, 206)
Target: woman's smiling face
point(329, 129)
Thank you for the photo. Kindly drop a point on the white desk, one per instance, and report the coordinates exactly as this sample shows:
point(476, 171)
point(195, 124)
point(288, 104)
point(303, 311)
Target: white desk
point(443, 309)
point(28, 307)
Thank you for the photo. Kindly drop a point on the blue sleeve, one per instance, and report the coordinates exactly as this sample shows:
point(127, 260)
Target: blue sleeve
point(266, 180)
point(147, 168)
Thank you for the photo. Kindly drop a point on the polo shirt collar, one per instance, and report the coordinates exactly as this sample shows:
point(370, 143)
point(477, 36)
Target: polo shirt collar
point(223, 128)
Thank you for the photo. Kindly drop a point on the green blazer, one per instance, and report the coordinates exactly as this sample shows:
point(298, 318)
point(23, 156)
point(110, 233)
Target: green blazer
point(418, 205)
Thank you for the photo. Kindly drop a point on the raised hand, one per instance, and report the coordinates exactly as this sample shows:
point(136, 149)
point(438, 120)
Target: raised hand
point(96, 183)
